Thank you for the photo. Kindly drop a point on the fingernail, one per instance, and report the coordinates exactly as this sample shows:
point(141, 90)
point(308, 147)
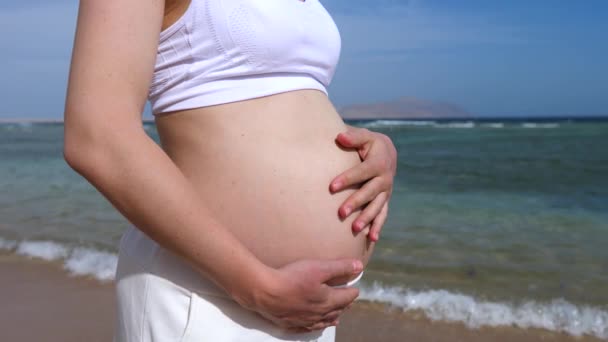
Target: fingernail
point(359, 226)
point(347, 210)
point(336, 185)
point(357, 266)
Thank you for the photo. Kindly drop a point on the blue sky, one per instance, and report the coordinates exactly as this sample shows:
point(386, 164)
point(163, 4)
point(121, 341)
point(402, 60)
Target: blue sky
point(493, 58)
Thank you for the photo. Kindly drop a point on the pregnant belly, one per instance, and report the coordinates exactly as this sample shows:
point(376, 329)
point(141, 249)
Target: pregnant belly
point(265, 171)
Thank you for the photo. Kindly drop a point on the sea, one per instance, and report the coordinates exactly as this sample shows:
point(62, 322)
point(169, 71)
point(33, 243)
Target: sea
point(492, 222)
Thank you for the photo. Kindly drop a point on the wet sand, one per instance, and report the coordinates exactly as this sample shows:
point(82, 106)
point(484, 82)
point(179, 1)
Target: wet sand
point(41, 302)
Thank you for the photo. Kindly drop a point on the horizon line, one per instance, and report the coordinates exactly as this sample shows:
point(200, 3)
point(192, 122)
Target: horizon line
point(468, 118)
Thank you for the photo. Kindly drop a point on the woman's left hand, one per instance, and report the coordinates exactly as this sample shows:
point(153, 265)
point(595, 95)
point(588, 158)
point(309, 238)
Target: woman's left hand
point(376, 174)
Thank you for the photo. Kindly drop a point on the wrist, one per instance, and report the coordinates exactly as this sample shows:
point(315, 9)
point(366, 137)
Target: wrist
point(256, 287)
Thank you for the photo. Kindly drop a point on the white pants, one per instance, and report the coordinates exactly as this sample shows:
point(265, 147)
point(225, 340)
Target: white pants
point(162, 298)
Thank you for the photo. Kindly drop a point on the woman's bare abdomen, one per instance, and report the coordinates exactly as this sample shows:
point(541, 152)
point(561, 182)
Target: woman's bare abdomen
point(263, 167)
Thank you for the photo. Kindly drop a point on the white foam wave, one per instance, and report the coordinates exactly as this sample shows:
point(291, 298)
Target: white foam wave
point(495, 125)
point(415, 123)
point(85, 261)
point(78, 261)
point(463, 124)
point(466, 124)
point(539, 125)
point(19, 126)
point(46, 250)
point(380, 123)
point(441, 305)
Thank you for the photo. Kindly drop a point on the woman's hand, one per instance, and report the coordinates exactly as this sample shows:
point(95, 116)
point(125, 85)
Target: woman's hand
point(296, 297)
point(377, 171)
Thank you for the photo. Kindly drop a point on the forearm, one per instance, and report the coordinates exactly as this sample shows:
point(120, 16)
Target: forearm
point(144, 184)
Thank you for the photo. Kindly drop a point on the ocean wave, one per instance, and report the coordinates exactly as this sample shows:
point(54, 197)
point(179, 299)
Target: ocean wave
point(384, 123)
point(85, 261)
point(539, 125)
point(494, 125)
point(441, 305)
point(466, 124)
point(419, 123)
point(78, 261)
point(23, 126)
point(455, 124)
point(410, 123)
point(46, 250)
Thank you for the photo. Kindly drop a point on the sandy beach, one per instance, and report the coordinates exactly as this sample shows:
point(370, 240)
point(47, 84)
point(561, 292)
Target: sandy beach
point(41, 302)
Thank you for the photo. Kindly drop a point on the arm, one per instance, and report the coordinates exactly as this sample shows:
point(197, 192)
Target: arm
point(377, 171)
point(112, 65)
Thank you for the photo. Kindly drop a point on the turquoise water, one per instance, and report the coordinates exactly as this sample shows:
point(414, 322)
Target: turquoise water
point(510, 214)
point(519, 211)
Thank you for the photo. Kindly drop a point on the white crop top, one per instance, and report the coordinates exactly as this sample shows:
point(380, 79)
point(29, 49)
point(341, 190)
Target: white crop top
point(223, 51)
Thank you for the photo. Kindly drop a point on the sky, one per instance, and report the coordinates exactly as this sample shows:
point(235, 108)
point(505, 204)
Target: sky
point(492, 58)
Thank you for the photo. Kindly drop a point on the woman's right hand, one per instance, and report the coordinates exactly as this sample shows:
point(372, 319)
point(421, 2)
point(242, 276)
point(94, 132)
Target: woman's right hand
point(296, 296)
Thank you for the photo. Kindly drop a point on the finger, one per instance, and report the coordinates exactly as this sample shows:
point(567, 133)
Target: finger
point(300, 330)
point(282, 323)
point(330, 269)
point(332, 316)
point(340, 298)
point(355, 175)
point(360, 139)
point(374, 232)
point(371, 211)
point(320, 326)
point(316, 326)
point(354, 137)
point(367, 193)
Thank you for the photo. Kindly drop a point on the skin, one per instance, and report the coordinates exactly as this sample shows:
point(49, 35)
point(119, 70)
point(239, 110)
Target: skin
point(272, 166)
point(376, 172)
point(156, 188)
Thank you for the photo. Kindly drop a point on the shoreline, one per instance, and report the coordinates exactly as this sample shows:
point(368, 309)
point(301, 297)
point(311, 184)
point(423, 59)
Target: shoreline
point(61, 307)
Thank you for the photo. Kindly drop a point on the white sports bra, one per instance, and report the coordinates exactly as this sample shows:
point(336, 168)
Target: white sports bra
point(223, 51)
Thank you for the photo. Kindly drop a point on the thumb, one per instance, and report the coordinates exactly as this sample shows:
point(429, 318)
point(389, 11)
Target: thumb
point(354, 137)
point(339, 268)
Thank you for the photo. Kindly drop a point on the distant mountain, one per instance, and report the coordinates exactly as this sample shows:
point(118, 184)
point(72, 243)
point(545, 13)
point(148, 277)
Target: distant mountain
point(404, 108)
